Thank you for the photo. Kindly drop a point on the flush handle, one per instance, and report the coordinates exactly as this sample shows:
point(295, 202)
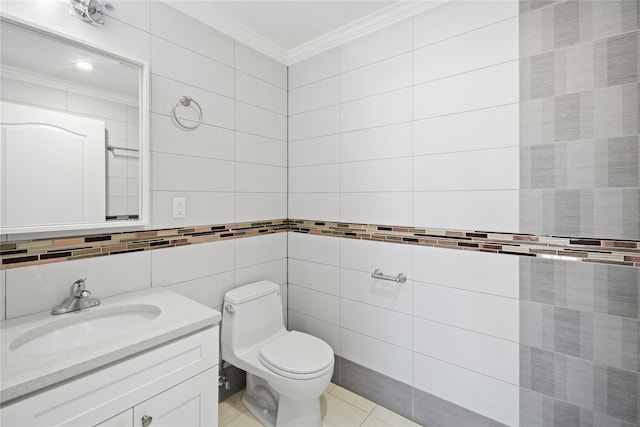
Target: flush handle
point(230, 309)
point(146, 420)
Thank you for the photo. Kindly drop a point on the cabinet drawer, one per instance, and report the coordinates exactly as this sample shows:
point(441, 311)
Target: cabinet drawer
point(98, 395)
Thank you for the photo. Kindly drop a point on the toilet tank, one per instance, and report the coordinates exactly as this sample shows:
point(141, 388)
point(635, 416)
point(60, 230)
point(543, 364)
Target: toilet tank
point(251, 314)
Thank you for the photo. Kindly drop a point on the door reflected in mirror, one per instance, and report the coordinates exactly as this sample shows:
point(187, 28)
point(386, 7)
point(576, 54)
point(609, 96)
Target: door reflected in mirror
point(72, 134)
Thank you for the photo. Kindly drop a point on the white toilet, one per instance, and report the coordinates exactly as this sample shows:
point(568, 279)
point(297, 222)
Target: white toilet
point(287, 372)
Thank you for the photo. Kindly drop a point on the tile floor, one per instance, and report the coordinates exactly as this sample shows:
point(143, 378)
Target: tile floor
point(340, 408)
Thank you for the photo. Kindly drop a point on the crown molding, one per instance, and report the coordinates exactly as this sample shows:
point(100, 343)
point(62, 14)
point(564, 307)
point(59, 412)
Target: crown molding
point(386, 16)
point(375, 21)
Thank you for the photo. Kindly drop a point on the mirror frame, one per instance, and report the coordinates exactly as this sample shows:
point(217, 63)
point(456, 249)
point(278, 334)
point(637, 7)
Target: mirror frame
point(144, 129)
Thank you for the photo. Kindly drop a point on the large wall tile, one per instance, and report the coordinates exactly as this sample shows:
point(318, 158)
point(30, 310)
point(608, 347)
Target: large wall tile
point(260, 93)
point(322, 249)
point(474, 130)
point(495, 169)
point(477, 49)
point(313, 96)
point(453, 18)
point(488, 273)
point(482, 394)
point(380, 110)
point(495, 210)
point(390, 41)
point(385, 325)
point(380, 356)
point(260, 66)
point(321, 66)
point(384, 76)
point(41, 287)
point(170, 24)
point(494, 357)
point(377, 143)
point(488, 87)
point(314, 123)
point(484, 313)
point(179, 264)
point(316, 304)
point(167, 60)
point(376, 175)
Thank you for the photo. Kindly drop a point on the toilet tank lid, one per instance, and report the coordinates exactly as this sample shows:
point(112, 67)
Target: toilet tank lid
point(251, 291)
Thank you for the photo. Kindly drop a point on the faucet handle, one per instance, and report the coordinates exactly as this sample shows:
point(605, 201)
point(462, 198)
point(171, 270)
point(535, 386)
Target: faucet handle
point(77, 287)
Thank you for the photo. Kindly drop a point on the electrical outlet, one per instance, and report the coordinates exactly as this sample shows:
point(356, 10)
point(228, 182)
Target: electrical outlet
point(179, 207)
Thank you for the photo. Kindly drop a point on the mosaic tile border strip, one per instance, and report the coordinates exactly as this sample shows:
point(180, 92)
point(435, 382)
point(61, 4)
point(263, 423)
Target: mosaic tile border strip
point(42, 251)
point(616, 252)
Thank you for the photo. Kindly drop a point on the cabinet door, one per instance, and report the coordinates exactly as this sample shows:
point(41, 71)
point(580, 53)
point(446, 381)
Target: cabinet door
point(193, 403)
point(124, 419)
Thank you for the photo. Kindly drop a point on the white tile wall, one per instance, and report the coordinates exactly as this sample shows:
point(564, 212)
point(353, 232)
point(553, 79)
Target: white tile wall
point(384, 76)
point(477, 49)
point(189, 33)
point(482, 394)
point(39, 288)
point(495, 210)
point(314, 96)
point(325, 206)
point(316, 68)
point(474, 130)
point(168, 60)
point(378, 110)
point(458, 17)
point(260, 93)
point(260, 66)
point(495, 169)
point(388, 359)
point(382, 44)
point(315, 151)
point(325, 121)
point(439, 266)
point(484, 354)
point(376, 207)
point(316, 304)
point(311, 275)
point(484, 88)
point(241, 146)
point(376, 143)
point(484, 313)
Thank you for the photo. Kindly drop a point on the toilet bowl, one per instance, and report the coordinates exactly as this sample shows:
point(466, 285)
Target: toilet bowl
point(287, 371)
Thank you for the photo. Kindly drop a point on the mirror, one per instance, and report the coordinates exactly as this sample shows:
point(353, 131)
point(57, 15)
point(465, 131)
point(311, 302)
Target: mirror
point(73, 126)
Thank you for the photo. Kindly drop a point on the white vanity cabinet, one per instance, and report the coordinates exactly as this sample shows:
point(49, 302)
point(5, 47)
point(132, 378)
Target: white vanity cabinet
point(175, 384)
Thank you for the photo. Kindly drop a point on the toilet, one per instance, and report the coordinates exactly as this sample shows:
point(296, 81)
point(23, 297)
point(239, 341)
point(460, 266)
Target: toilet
point(287, 371)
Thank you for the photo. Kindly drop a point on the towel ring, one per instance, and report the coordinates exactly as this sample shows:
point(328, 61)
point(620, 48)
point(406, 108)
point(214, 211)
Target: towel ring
point(186, 101)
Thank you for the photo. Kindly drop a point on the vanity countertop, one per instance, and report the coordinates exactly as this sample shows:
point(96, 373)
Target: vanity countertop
point(22, 374)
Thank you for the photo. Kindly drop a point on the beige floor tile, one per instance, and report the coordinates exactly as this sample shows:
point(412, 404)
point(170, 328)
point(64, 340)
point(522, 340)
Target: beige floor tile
point(392, 418)
point(235, 401)
point(330, 387)
point(356, 400)
point(339, 413)
point(226, 413)
point(245, 420)
point(372, 421)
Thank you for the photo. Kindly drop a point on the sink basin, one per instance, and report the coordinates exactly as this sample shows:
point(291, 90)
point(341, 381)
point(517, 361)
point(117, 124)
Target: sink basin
point(80, 329)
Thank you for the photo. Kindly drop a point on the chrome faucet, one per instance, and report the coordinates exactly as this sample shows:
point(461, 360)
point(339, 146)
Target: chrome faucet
point(77, 300)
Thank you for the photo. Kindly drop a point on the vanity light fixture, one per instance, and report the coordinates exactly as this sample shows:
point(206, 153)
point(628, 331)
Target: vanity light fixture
point(90, 11)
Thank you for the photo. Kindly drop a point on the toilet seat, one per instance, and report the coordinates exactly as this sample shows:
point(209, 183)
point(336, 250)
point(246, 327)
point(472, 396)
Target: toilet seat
point(297, 355)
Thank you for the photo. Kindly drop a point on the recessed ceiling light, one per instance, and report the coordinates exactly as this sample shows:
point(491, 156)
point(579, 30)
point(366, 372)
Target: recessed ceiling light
point(84, 65)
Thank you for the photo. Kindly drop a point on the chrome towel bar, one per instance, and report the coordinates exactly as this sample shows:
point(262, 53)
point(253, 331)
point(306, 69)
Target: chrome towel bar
point(187, 101)
point(378, 274)
point(113, 147)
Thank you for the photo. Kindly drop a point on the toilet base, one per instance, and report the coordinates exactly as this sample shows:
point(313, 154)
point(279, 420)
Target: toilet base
point(299, 413)
point(276, 410)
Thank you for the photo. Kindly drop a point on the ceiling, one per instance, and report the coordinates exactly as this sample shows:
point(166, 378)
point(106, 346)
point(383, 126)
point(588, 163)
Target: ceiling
point(290, 31)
